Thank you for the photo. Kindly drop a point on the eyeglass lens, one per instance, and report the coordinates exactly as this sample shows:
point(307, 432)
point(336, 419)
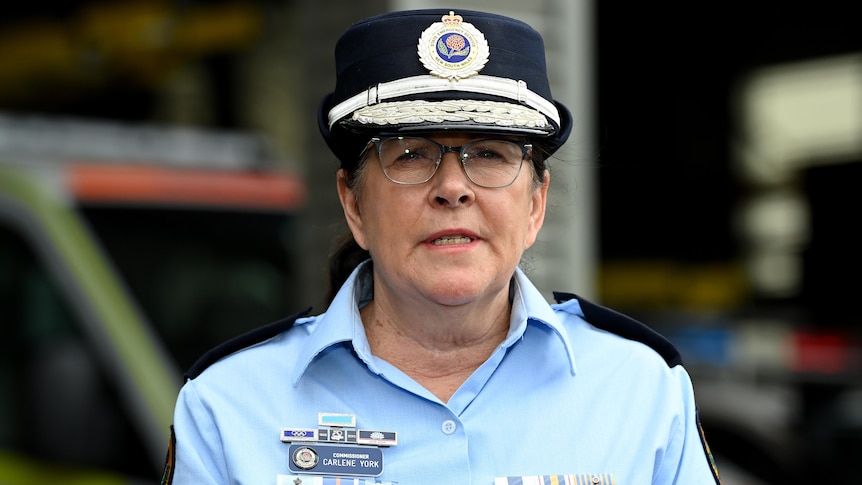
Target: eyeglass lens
point(490, 163)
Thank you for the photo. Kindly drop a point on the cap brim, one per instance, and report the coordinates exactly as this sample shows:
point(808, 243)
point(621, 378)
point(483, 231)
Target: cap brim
point(346, 139)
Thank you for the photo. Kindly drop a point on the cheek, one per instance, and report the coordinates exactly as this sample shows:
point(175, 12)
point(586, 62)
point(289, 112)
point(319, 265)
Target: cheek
point(511, 217)
point(530, 221)
point(388, 217)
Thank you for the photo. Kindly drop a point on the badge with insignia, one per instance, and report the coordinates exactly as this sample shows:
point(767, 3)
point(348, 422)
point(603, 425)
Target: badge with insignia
point(336, 447)
point(339, 428)
point(335, 460)
point(453, 49)
point(305, 458)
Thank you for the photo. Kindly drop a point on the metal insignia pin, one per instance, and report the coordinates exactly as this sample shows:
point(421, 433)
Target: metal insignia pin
point(305, 458)
point(453, 49)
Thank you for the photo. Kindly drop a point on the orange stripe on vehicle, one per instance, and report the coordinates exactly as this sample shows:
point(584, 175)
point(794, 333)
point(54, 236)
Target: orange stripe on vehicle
point(151, 184)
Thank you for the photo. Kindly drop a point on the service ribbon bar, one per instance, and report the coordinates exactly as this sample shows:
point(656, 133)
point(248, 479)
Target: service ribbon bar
point(312, 480)
point(377, 438)
point(298, 434)
point(581, 479)
point(337, 435)
point(339, 428)
point(333, 419)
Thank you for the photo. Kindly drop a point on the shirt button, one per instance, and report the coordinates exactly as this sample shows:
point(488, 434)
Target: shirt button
point(449, 426)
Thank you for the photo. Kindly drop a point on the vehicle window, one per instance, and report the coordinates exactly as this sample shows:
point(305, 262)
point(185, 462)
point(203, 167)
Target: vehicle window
point(201, 276)
point(57, 405)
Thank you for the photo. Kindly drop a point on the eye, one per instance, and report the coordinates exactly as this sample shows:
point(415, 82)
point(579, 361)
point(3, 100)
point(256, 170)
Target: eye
point(411, 151)
point(493, 151)
point(403, 153)
point(414, 154)
point(486, 153)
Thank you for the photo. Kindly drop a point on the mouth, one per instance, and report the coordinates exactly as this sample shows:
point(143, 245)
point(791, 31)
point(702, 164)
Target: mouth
point(450, 240)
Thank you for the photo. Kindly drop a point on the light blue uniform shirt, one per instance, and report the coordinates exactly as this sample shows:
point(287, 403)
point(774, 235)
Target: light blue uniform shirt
point(559, 397)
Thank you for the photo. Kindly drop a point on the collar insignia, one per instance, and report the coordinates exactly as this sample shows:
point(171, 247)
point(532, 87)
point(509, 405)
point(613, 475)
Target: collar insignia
point(453, 49)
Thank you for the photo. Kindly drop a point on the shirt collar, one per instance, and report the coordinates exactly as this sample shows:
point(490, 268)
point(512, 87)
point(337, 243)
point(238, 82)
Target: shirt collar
point(529, 305)
point(342, 323)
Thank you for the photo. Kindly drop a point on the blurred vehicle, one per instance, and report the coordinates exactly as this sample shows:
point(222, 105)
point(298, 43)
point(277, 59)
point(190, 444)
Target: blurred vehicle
point(779, 388)
point(125, 253)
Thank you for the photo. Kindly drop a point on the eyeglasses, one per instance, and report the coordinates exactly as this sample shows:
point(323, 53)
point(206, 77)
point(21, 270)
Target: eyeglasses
point(488, 163)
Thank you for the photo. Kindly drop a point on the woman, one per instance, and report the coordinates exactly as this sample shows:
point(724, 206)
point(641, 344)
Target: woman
point(438, 361)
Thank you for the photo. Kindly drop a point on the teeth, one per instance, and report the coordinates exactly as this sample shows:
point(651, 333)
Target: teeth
point(451, 240)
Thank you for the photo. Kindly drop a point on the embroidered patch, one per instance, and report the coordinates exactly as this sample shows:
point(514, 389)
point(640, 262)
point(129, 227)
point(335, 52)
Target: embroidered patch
point(462, 111)
point(709, 457)
point(170, 460)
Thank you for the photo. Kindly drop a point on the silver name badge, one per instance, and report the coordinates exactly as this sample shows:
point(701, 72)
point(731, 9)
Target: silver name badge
point(320, 459)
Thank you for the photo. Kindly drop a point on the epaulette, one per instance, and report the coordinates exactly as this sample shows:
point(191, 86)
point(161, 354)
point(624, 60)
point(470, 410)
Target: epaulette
point(238, 343)
point(625, 326)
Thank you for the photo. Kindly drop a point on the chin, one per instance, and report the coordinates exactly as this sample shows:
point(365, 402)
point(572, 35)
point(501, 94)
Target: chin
point(457, 293)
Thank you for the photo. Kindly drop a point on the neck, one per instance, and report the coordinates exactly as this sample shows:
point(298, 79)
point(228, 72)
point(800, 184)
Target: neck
point(438, 346)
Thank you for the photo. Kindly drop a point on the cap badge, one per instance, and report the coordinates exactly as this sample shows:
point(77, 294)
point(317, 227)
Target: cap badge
point(453, 49)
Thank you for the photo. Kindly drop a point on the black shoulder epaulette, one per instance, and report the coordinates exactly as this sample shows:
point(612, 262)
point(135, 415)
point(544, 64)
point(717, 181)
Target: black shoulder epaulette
point(625, 326)
point(238, 343)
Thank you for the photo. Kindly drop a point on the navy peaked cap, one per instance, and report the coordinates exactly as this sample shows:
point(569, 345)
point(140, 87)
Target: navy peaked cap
point(435, 70)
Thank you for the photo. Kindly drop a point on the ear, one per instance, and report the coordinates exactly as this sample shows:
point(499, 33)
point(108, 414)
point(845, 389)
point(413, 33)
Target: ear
point(537, 210)
point(350, 205)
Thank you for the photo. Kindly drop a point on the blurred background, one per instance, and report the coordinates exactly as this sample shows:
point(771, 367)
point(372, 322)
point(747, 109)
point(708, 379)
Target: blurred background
point(163, 187)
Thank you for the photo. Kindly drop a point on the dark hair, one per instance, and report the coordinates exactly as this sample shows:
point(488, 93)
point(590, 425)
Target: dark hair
point(344, 258)
point(348, 254)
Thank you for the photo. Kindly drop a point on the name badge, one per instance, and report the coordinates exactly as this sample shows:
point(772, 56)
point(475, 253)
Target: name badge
point(319, 459)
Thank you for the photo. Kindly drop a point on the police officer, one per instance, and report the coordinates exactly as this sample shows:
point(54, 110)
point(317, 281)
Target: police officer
point(438, 361)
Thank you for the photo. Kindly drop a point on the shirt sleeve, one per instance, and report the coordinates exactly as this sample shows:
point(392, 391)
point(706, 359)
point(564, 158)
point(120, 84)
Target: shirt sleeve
point(687, 460)
point(199, 456)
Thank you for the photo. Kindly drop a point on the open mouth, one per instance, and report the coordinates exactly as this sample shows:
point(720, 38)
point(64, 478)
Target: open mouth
point(448, 240)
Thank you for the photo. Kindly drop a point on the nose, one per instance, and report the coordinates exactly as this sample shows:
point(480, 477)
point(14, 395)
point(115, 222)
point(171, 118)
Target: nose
point(451, 187)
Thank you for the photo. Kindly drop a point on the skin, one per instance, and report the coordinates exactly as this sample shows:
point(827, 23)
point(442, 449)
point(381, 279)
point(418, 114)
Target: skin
point(439, 311)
